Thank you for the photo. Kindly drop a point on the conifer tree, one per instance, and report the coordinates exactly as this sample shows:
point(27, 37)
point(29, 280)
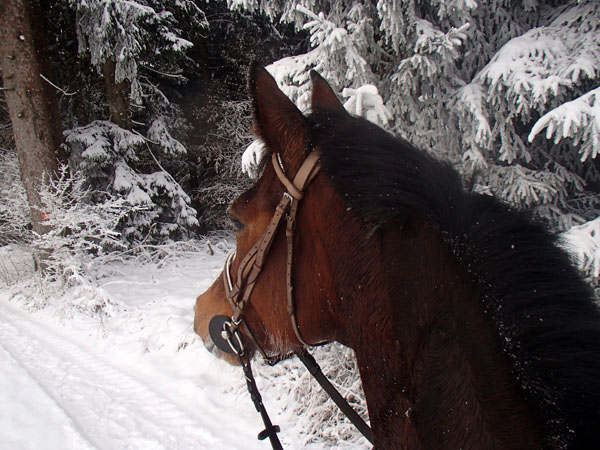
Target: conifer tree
point(507, 90)
point(31, 100)
point(138, 47)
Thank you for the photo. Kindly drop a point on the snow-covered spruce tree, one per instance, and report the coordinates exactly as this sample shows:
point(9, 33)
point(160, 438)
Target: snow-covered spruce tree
point(506, 90)
point(138, 48)
point(546, 79)
point(342, 35)
point(107, 155)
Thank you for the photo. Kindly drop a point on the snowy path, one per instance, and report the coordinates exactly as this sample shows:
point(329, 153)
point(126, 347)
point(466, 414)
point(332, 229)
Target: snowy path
point(120, 382)
point(99, 406)
point(20, 390)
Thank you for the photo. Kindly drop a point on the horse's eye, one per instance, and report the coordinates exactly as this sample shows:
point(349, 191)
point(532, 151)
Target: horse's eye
point(239, 226)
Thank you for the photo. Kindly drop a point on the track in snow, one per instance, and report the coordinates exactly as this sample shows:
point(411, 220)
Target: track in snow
point(83, 402)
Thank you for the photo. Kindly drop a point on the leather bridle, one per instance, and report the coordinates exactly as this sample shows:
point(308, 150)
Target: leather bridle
point(250, 267)
point(225, 332)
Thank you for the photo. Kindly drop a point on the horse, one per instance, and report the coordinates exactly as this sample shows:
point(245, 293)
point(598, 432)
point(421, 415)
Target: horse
point(470, 326)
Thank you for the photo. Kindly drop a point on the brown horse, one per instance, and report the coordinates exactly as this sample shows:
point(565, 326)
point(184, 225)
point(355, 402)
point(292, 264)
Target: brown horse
point(470, 327)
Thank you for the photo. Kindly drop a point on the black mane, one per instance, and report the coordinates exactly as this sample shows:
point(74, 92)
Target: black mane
point(544, 312)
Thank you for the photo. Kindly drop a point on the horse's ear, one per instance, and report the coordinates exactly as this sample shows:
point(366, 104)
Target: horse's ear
point(277, 121)
point(323, 98)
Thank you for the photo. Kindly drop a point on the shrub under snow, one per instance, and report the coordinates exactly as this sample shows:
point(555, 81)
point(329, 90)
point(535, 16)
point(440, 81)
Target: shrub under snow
point(82, 236)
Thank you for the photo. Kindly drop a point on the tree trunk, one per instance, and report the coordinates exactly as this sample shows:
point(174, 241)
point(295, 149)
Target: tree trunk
point(117, 96)
point(31, 100)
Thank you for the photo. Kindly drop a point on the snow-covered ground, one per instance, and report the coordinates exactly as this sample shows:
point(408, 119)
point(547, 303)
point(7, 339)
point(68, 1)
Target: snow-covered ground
point(133, 376)
point(118, 366)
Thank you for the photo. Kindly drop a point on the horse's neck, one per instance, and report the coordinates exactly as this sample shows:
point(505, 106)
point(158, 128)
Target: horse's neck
point(432, 366)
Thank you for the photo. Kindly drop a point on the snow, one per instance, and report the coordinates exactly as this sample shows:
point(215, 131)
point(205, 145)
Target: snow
point(134, 376)
point(583, 241)
point(159, 133)
point(578, 119)
point(472, 96)
point(252, 157)
point(19, 390)
point(366, 102)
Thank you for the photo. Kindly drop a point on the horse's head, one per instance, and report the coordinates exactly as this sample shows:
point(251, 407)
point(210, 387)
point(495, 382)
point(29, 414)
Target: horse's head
point(284, 130)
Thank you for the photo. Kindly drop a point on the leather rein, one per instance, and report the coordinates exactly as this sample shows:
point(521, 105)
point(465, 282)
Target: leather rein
point(225, 332)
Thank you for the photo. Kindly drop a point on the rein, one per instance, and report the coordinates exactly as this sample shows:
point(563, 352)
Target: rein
point(225, 332)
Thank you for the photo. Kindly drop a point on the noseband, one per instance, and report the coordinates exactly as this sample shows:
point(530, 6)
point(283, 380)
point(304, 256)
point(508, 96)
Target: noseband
point(225, 332)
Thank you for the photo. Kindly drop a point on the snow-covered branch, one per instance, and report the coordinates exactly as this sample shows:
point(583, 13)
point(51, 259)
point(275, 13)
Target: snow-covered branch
point(578, 120)
point(366, 102)
point(583, 241)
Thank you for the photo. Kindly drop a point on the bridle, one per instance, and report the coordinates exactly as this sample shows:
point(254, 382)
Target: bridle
point(225, 332)
point(251, 265)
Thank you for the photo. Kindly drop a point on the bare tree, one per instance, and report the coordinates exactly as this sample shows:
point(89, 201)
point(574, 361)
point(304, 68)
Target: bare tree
point(30, 98)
